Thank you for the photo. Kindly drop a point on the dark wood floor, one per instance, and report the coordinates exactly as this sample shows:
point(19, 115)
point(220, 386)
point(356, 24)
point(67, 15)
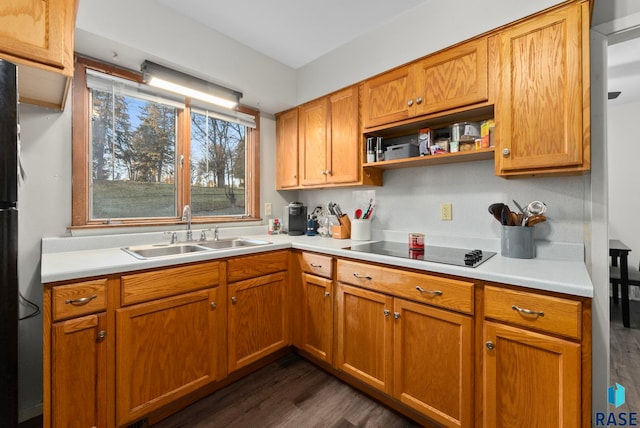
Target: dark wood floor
point(625, 355)
point(290, 392)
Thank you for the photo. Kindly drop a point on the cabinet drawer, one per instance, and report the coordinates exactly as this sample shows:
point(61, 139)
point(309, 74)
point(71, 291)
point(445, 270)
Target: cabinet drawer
point(547, 313)
point(79, 299)
point(239, 268)
point(434, 290)
point(141, 287)
point(316, 264)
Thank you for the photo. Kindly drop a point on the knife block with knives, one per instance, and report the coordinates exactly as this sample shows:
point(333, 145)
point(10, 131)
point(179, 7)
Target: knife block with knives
point(342, 230)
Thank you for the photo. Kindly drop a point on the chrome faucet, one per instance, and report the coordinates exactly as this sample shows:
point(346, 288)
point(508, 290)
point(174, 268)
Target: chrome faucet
point(215, 233)
point(186, 216)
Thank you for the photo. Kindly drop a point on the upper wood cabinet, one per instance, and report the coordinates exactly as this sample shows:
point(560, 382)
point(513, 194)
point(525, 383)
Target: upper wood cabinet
point(287, 149)
point(37, 35)
point(542, 114)
point(447, 80)
point(328, 139)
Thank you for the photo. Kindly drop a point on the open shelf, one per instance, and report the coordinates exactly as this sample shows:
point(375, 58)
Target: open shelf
point(445, 158)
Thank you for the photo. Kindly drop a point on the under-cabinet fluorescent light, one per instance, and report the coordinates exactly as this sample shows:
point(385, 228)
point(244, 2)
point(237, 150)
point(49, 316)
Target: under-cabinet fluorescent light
point(189, 86)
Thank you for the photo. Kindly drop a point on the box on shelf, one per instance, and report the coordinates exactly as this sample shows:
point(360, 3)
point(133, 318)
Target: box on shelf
point(400, 151)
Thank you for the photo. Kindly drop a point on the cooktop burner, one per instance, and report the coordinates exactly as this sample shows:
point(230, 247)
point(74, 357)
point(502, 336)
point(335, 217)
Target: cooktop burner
point(446, 255)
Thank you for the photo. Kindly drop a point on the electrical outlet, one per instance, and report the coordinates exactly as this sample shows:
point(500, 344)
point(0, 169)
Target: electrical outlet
point(445, 212)
point(267, 208)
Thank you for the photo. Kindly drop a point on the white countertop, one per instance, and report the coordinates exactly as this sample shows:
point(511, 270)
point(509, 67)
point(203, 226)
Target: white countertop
point(82, 257)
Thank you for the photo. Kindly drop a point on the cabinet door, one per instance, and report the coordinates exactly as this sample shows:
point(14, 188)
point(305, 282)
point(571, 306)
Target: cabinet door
point(388, 98)
point(165, 350)
point(317, 316)
point(78, 372)
point(258, 319)
point(539, 116)
point(433, 362)
point(312, 142)
point(530, 379)
point(287, 150)
point(35, 30)
point(365, 336)
point(343, 150)
point(454, 78)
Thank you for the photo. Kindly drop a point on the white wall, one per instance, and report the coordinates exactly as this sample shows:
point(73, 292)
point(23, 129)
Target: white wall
point(45, 210)
point(624, 190)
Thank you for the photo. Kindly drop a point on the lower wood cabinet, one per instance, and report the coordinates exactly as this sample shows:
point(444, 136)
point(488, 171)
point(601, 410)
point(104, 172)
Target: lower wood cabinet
point(258, 318)
point(166, 349)
point(433, 362)
point(317, 317)
point(418, 354)
point(78, 376)
point(365, 336)
point(531, 379)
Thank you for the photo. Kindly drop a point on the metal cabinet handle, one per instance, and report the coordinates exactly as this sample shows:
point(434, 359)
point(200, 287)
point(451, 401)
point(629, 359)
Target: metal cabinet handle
point(361, 276)
point(434, 292)
point(313, 265)
point(490, 345)
point(323, 172)
point(387, 312)
point(327, 294)
point(81, 301)
point(396, 315)
point(506, 152)
point(419, 100)
point(214, 305)
point(327, 172)
point(234, 300)
point(410, 103)
point(527, 311)
point(102, 334)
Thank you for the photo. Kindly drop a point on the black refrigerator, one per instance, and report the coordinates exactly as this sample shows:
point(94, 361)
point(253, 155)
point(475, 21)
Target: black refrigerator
point(8, 245)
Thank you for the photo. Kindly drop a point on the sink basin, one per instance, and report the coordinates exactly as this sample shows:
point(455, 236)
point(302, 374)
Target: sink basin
point(162, 250)
point(144, 252)
point(222, 244)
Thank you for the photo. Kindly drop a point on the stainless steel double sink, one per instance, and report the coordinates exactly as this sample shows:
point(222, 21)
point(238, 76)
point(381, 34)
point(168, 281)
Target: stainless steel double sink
point(145, 252)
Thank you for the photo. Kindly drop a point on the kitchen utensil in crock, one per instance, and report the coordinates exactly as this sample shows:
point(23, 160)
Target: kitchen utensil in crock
point(496, 210)
point(506, 218)
point(358, 213)
point(518, 206)
point(535, 219)
point(536, 207)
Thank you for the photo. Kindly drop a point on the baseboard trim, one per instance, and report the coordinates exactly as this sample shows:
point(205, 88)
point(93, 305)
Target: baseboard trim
point(29, 413)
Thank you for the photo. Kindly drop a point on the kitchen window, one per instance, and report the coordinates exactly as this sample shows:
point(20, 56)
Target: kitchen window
point(141, 154)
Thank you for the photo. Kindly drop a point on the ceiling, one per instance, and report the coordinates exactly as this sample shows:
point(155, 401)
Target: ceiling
point(293, 32)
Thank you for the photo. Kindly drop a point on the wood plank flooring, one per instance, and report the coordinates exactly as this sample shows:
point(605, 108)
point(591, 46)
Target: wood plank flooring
point(624, 345)
point(290, 392)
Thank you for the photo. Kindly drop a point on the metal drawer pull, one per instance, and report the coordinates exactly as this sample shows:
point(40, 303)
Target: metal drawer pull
point(313, 265)
point(234, 299)
point(434, 292)
point(102, 334)
point(527, 311)
point(490, 345)
point(327, 294)
point(361, 276)
point(81, 301)
point(386, 312)
point(396, 315)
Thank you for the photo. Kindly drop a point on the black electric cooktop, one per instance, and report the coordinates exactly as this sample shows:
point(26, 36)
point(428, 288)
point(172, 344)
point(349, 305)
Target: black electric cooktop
point(431, 253)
